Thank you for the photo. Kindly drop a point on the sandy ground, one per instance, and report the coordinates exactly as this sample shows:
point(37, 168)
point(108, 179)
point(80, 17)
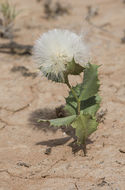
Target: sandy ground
point(36, 157)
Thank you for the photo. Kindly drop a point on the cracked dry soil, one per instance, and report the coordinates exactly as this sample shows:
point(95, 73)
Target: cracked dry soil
point(37, 157)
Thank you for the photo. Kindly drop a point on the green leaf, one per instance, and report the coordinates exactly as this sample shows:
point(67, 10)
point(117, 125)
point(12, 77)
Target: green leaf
point(70, 108)
point(60, 121)
point(90, 82)
point(71, 103)
point(85, 126)
point(87, 92)
point(73, 68)
point(91, 105)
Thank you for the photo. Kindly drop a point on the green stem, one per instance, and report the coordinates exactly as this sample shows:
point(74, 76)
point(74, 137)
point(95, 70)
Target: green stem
point(78, 104)
point(78, 107)
point(84, 148)
point(74, 94)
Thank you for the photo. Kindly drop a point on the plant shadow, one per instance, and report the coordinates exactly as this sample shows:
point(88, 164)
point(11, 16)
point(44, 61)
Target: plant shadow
point(61, 141)
point(69, 131)
point(42, 114)
point(24, 71)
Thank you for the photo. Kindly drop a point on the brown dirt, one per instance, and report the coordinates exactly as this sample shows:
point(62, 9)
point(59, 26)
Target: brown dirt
point(23, 142)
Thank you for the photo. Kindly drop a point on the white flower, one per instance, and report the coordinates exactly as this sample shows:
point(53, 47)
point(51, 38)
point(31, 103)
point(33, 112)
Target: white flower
point(57, 48)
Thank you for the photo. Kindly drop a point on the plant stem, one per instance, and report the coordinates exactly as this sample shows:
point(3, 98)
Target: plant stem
point(74, 94)
point(78, 107)
point(84, 148)
point(78, 103)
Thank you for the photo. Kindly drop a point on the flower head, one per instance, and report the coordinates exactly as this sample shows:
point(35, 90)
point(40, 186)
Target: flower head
point(58, 52)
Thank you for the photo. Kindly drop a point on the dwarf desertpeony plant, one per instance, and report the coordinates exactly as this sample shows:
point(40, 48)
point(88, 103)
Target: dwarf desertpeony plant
point(58, 54)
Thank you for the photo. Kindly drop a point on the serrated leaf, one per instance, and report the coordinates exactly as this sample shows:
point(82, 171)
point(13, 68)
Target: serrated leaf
point(60, 121)
point(91, 105)
point(87, 91)
point(90, 82)
point(73, 68)
point(84, 126)
point(71, 109)
point(71, 104)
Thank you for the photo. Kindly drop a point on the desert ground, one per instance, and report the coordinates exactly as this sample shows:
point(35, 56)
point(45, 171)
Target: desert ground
point(34, 156)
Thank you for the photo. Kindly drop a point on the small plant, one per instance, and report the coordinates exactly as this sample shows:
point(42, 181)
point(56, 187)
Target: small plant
point(8, 14)
point(92, 12)
point(60, 53)
point(52, 10)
